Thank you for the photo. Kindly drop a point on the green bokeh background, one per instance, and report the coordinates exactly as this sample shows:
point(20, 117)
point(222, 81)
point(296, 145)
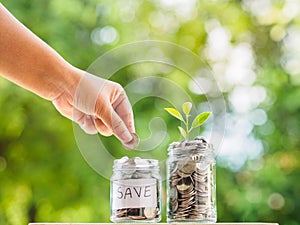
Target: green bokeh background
point(43, 176)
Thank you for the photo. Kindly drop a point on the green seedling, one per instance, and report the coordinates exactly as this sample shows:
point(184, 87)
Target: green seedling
point(197, 122)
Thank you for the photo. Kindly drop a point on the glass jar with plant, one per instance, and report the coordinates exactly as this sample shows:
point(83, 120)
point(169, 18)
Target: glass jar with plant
point(191, 173)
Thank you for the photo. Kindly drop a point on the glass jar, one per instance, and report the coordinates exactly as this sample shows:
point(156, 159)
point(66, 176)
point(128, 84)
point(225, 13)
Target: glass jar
point(135, 191)
point(191, 182)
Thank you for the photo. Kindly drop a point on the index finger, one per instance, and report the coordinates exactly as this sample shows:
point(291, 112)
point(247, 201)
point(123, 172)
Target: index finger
point(123, 108)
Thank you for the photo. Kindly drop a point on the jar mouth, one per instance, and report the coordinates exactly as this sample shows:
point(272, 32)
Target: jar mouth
point(186, 149)
point(190, 145)
point(126, 163)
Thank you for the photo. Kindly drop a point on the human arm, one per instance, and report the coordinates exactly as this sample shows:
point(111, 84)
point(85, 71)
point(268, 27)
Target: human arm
point(29, 62)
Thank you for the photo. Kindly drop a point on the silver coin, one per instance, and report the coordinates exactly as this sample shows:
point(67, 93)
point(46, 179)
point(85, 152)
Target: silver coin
point(173, 206)
point(150, 212)
point(188, 167)
point(133, 143)
point(182, 187)
point(137, 217)
point(173, 194)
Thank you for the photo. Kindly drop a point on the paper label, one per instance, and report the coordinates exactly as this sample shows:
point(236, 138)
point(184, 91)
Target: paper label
point(134, 193)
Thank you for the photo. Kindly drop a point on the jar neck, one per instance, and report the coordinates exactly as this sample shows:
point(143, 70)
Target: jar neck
point(137, 163)
point(188, 148)
point(124, 168)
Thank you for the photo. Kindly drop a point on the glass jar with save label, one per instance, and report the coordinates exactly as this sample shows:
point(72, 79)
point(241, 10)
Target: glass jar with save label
point(135, 191)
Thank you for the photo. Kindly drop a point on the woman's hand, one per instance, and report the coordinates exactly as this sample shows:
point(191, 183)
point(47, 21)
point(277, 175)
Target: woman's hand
point(99, 105)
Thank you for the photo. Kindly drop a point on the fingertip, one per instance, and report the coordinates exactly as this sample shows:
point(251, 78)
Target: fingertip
point(133, 143)
point(126, 136)
point(131, 127)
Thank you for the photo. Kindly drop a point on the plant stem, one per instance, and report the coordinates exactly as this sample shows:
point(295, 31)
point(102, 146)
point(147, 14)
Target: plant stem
point(187, 126)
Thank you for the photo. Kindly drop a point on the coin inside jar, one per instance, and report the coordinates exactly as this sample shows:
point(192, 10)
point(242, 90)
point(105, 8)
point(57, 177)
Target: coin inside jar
point(184, 184)
point(188, 167)
point(135, 190)
point(150, 212)
point(191, 180)
point(173, 194)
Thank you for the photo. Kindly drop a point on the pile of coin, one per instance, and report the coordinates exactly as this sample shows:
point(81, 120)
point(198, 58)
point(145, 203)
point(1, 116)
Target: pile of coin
point(128, 214)
point(137, 169)
point(191, 191)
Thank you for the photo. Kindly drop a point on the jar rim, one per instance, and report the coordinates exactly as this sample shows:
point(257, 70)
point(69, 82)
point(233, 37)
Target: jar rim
point(136, 162)
point(190, 145)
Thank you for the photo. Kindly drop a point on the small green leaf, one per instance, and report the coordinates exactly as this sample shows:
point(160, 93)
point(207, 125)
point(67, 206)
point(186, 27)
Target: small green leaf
point(183, 132)
point(174, 113)
point(186, 107)
point(200, 119)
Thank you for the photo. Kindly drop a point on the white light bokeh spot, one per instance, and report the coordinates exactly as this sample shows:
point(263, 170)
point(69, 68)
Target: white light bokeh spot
point(105, 35)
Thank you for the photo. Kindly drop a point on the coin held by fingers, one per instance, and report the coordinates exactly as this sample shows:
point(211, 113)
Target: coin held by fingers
point(133, 143)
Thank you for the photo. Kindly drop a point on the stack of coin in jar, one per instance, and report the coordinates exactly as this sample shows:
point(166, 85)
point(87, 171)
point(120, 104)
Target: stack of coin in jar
point(135, 190)
point(191, 182)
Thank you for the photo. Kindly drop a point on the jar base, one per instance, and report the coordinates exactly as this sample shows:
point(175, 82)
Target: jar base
point(129, 220)
point(191, 221)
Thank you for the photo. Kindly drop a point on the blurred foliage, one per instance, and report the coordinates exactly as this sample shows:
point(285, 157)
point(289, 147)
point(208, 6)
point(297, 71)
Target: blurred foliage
point(43, 176)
